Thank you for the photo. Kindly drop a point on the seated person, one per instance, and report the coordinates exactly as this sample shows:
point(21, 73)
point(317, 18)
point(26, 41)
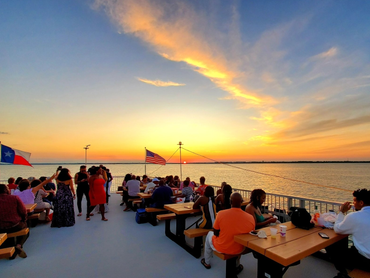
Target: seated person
point(219, 191)
point(229, 223)
point(13, 217)
point(26, 193)
point(162, 195)
point(223, 200)
point(207, 204)
point(11, 184)
point(130, 191)
point(258, 197)
point(49, 188)
point(40, 194)
point(356, 224)
point(187, 191)
point(150, 186)
point(191, 184)
point(202, 186)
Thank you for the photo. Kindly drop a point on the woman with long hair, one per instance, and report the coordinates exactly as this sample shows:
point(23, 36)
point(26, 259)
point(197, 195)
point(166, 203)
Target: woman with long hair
point(207, 204)
point(223, 200)
point(125, 180)
point(258, 197)
point(96, 193)
point(64, 214)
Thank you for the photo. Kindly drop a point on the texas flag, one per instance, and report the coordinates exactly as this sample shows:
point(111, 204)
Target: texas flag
point(13, 156)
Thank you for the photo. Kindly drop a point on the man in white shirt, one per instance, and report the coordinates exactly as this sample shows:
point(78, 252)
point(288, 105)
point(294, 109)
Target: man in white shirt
point(130, 191)
point(151, 185)
point(356, 224)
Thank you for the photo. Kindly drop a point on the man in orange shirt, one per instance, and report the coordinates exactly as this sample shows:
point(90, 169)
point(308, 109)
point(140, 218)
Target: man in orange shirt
point(228, 223)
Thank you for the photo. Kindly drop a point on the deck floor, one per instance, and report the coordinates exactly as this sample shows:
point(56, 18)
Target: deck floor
point(123, 248)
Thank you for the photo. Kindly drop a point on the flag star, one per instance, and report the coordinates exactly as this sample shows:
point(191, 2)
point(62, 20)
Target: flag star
point(8, 154)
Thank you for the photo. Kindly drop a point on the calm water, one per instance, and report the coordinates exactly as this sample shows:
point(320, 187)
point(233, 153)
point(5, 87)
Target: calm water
point(349, 176)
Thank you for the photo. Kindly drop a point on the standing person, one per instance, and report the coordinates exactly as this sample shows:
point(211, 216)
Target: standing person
point(207, 204)
point(13, 217)
point(130, 191)
point(81, 180)
point(229, 223)
point(356, 224)
point(64, 214)
point(258, 197)
point(202, 187)
point(97, 192)
point(108, 184)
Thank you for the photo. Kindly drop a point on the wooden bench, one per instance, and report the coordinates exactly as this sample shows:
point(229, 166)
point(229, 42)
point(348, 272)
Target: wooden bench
point(11, 240)
point(356, 273)
point(33, 219)
point(230, 262)
point(197, 234)
point(7, 252)
point(153, 212)
point(167, 217)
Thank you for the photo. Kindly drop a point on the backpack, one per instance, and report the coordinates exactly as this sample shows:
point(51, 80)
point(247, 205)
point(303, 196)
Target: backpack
point(301, 218)
point(141, 216)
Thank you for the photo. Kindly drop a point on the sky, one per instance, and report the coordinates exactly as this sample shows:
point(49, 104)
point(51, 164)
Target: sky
point(234, 80)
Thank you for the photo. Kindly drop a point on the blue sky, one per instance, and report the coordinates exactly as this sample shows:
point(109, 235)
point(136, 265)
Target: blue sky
point(233, 80)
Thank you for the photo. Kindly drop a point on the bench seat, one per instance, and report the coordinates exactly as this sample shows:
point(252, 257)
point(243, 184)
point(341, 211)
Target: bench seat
point(192, 233)
point(155, 210)
point(22, 232)
point(224, 256)
point(167, 216)
point(356, 273)
point(6, 252)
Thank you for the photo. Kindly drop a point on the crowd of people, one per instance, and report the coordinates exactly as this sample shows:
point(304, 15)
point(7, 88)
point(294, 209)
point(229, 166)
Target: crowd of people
point(221, 211)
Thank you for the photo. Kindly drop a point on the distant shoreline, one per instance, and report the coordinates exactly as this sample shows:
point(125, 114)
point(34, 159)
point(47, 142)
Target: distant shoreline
point(223, 162)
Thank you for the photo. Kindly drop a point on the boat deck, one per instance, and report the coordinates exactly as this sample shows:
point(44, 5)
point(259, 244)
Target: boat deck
point(123, 248)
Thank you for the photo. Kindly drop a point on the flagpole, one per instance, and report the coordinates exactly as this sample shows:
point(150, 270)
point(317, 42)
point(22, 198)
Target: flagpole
point(145, 160)
point(180, 144)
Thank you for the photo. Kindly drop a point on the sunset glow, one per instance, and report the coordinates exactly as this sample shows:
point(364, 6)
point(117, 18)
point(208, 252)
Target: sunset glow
point(232, 80)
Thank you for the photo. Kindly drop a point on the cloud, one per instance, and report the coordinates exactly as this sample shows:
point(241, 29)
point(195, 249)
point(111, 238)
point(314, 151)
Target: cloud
point(160, 83)
point(179, 32)
point(4, 133)
point(327, 54)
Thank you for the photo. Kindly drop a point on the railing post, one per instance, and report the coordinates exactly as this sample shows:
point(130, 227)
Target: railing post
point(290, 201)
point(302, 203)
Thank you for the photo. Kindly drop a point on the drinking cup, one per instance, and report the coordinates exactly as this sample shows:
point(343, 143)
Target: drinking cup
point(273, 232)
point(283, 230)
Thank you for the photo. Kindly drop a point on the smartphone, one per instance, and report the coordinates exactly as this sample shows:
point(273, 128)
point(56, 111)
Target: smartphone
point(323, 235)
point(253, 233)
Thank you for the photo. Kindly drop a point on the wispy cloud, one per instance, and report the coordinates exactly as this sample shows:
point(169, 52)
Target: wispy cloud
point(160, 83)
point(177, 31)
point(4, 133)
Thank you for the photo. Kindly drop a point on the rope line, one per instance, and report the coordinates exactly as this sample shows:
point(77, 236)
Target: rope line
point(166, 162)
point(271, 175)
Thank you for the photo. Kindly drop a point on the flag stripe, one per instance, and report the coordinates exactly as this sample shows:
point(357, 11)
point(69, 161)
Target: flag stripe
point(154, 158)
point(13, 156)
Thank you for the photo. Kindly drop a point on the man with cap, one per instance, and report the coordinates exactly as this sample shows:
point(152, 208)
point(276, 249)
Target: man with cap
point(151, 185)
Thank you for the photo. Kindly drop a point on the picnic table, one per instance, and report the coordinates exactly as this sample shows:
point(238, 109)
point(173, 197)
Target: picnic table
point(3, 237)
point(182, 211)
point(30, 207)
point(275, 256)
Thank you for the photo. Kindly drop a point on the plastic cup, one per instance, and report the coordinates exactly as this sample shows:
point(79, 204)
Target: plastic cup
point(283, 230)
point(273, 232)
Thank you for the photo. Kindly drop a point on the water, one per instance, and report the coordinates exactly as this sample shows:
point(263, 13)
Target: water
point(349, 176)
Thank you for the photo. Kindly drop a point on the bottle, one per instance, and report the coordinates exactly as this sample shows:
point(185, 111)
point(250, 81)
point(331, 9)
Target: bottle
point(316, 216)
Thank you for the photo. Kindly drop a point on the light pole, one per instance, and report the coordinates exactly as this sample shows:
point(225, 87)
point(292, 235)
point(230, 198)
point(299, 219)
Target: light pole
point(86, 148)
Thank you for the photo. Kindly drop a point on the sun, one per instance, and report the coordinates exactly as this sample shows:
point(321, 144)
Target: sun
point(184, 162)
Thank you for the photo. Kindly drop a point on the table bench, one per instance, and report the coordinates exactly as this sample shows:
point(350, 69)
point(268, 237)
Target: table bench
point(356, 273)
point(5, 252)
point(230, 262)
point(10, 242)
point(152, 214)
point(197, 234)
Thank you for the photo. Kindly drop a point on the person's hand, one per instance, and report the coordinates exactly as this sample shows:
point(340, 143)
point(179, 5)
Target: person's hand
point(52, 177)
point(272, 220)
point(345, 207)
point(74, 197)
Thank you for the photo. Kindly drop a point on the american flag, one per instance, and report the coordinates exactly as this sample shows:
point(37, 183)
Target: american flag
point(154, 158)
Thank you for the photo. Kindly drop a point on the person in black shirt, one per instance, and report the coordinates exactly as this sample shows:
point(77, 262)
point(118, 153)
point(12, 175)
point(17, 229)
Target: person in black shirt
point(81, 180)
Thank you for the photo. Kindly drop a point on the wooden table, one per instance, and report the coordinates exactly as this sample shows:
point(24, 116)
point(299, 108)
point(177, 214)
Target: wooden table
point(3, 237)
point(30, 207)
point(276, 255)
point(182, 211)
point(144, 195)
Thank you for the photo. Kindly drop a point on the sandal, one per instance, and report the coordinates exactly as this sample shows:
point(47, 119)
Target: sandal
point(104, 219)
point(203, 262)
point(79, 214)
point(239, 269)
point(87, 219)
